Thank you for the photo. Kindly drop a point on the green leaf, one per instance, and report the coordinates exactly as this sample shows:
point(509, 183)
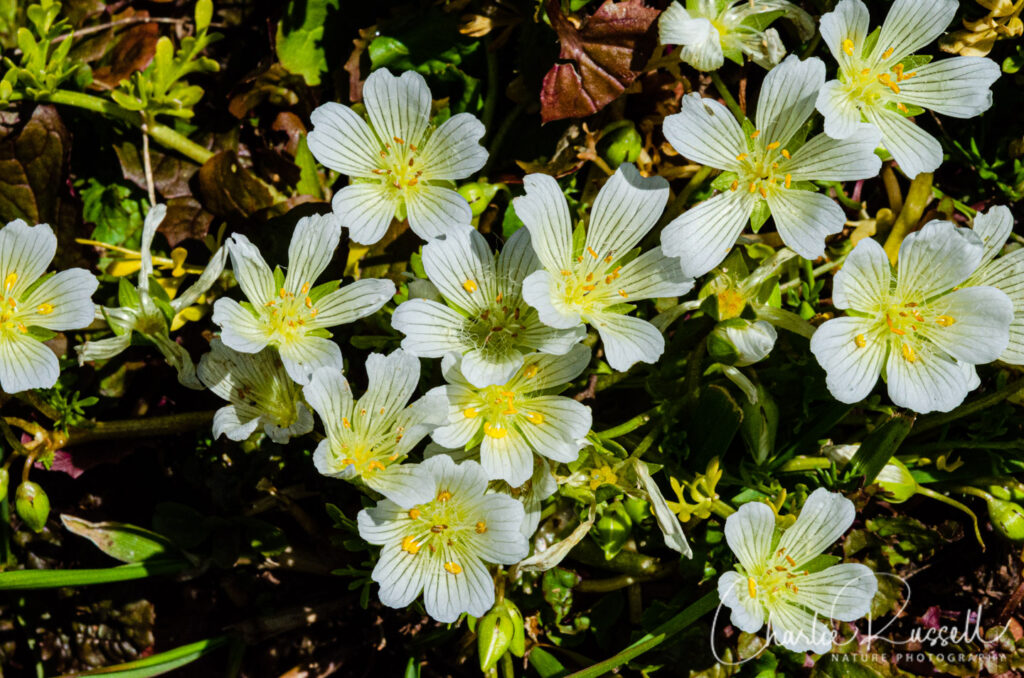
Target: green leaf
point(309, 178)
point(545, 664)
point(384, 51)
point(125, 542)
point(159, 664)
point(869, 43)
point(20, 580)
point(880, 445)
point(299, 38)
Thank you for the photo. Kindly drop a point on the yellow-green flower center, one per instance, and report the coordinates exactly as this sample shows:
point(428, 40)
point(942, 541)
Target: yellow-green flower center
point(288, 316)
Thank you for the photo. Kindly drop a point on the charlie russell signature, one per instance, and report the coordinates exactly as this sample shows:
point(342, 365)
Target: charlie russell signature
point(933, 636)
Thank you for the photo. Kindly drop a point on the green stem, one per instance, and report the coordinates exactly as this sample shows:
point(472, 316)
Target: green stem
point(626, 427)
point(824, 268)
point(798, 464)
point(625, 562)
point(162, 134)
point(723, 92)
point(659, 635)
point(721, 509)
point(787, 320)
point(491, 100)
point(978, 404)
point(937, 496)
point(146, 427)
point(918, 197)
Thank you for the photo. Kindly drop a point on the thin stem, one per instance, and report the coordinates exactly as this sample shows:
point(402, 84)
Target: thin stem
point(937, 496)
point(892, 188)
point(918, 197)
point(787, 320)
point(723, 92)
point(491, 100)
point(627, 426)
point(797, 464)
point(824, 268)
point(147, 164)
point(146, 427)
point(977, 405)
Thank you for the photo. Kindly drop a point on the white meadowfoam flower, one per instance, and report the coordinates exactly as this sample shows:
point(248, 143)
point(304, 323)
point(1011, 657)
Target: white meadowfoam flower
point(516, 419)
point(486, 320)
point(59, 302)
point(590, 283)
point(711, 30)
point(880, 80)
point(142, 314)
point(399, 165)
point(441, 545)
point(770, 167)
point(773, 585)
point(293, 315)
point(260, 392)
point(368, 438)
point(1005, 273)
point(912, 325)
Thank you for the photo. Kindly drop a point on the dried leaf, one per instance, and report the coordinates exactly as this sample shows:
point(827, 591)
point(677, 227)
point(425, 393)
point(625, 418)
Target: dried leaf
point(133, 52)
point(32, 167)
point(231, 191)
point(604, 56)
point(185, 219)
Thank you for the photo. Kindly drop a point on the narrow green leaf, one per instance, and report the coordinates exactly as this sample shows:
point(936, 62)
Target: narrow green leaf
point(20, 580)
point(159, 664)
point(125, 542)
point(544, 663)
point(880, 445)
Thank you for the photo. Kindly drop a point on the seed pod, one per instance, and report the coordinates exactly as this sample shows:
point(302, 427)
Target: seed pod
point(518, 644)
point(479, 195)
point(612, 530)
point(637, 509)
point(1007, 518)
point(494, 632)
point(32, 505)
point(622, 145)
point(741, 342)
point(5, 481)
point(897, 482)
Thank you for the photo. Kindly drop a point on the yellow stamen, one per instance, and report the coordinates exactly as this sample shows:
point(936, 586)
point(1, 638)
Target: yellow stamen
point(622, 293)
point(531, 371)
point(375, 465)
point(892, 328)
point(592, 253)
point(346, 423)
point(741, 157)
point(535, 418)
point(773, 145)
point(45, 309)
point(735, 184)
point(755, 134)
point(848, 47)
point(469, 286)
point(903, 109)
point(444, 495)
point(481, 527)
point(888, 53)
point(305, 288)
point(452, 567)
point(565, 273)
point(414, 513)
point(789, 559)
point(753, 186)
point(469, 412)
point(409, 545)
point(860, 341)
point(789, 180)
point(495, 430)
point(908, 353)
point(945, 320)
point(785, 154)
point(10, 280)
point(751, 587)
point(763, 191)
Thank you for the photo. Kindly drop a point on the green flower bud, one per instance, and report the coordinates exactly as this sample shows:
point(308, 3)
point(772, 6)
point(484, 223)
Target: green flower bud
point(622, 145)
point(897, 482)
point(741, 342)
point(637, 509)
point(5, 481)
point(479, 195)
point(518, 644)
point(612, 529)
point(1006, 488)
point(494, 633)
point(32, 504)
point(1007, 518)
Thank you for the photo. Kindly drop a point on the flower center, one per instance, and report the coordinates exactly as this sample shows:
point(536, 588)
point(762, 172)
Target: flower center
point(588, 285)
point(399, 167)
point(9, 322)
point(779, 581)
point(496, 329)
point(500, 408)
point(444, 529)
point(369, 451)
point(288, 315)
point(759, 168)
point(873, 83)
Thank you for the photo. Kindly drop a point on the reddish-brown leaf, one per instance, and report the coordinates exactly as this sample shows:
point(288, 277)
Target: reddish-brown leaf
point(602, 57)
point(133, 52)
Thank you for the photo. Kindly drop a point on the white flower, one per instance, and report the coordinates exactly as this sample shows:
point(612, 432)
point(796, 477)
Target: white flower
point(1005, 273)
point(711, 30)
point(774, 585)
point(667, 521)
point(260, 392)
point(486, 320)
point(516, 419)
point(911, 325)
point(740, 342)
point(291, 314)
point(59, 302)
point(589, 282)
point(140, 313)
point(399, 165)
point(440, 545)
point(881, 82)
point(770, 167)
point(369, 437)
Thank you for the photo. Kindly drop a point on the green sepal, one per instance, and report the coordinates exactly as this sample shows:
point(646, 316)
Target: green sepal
point(759, 215)
point(724, 181)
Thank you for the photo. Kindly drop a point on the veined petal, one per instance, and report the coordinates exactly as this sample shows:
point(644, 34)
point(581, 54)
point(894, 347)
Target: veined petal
point(457, 433)
point(958, 87)
point(537, 289)
point(462, 268)
point(852, 353)
point(627, 340)
point(435, 211)
point(420, 418)
point(703, 235)
point(798, 630)
point(541, 371)
point(787, 97)
point(342, 141)
point(749, 533)
point(850, 20)
point(910, 25)
point(103, 349)
point(626, 208)
point(385, 523)
point(705, 131)
point(994, 228)
point(401, 575)
point(824, 518)
point(25, 252)
point(863, 282)
point(517, 258)
point(669, 524)
point(562, 423)
point(842, 592)
point(502, 542)
point(700, 40)
point(402, 484)
point(653, 275)
point(545, 212)
point(824, 158)
point(330, 395)
point(366, 210)
point(306, 354)
point(447, 595)
point(391, 381)
point(929, 383)
point(251, 270)
point(935, 259)
point(979, 331)
point(26, 363)
point(210, 275)
point(488, 369)
point(509, 458)
point(546, 339)
point(235, 422)
point(312, 246)
point(62, 302)
point(239, 328)
point(1007, 274)
point(354, 301)
point(915, 150)
point(840, 109)
point(399, 108)
point(747, 613)
point(462, 480)
point(453, 151)
point(804, 219)
point(431, 329)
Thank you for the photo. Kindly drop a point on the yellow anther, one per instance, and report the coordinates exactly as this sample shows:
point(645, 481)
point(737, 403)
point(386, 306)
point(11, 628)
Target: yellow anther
point(763, 191)
point(860, 341)
point(444, 495)
point(452, 567)
point(902, 107)
point(755, 134)
point(499, 297)
point(789, 180)
point(592, 253)
point(865, 72)
point(535, 418)
point(469, 286)
point(773, 145)
point(346, 423)
point(623, 294)
point(495, 430)
point(590, 276)
point(469, 412)
point(10, 280)
point(848, 47)
point(888, 53)
point(409, 545)
point(608, 280)
point(375, 465)
point(348, 461)
point(22, 328)
point(908, 353)
point(893, 328)
point(741, 157)
point(45, 309)
point(305, 288)
point(566, 273)
point(588, 288)
point(481, 527)
point(313, 312)
point(735, 185)
point(414, 513)
point(608, 259)
point(753, 186)
point(282, 293)
point(785, 154)
point(531, 371)
point(398, 140)
point(309, 302)
point(945, 320)
point(751, 587)
point(789, 559)
point(615, 273)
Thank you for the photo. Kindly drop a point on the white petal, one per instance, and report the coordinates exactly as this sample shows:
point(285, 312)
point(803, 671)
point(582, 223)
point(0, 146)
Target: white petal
point(649, 276)
point(502, 542)
point(489, 369)
point(431, 329)
point(848, 159)
point(509, 458)
point(749, 533)
point(824, 518)
point(753, 340)
point(981, 321)
point(462, 480)
point(384, 523)
point(703, 235)
point(930, 383)
point(366, 210)
point(401, 483)
point(798, 630)
point(239, 328)
point(935, 259)
point(435, 211)
point(541, 371)
point(352, 302)
point(447, 595)
point(545, 212)
point(517, 258)
point(103, 348)
point(391, 382)
point(26, 363)
point(915, 150)
point(306, 354)
point(537, 292)
point(69, 294)
point(863, 282)
point(453, 151)
point(25, 252)
point(625, 210)
point(312, 246)
point(627, 340)
point(912, 24)
point(546, 339)
point(462, 268)
point(747, 613)
point(1007, 275)
point(420, 419)
point(235, 422)
point(842, 592)
point(209, 276)
point(850, 20)
point(564, 422)
point(787, 97)
point(700, 40)
point(840, 109)
point(401, 575)
point(398, 107)
point(705, 131)
point(669, 524)
point(341, 140)
point(957, 87)
point(852, 370)
point(329, 394)
point(251, 270)
point(804, 219)
point(302, 425)
point(994, 228)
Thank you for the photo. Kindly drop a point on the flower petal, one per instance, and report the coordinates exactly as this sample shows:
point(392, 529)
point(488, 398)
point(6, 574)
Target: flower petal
point(485, 368)
point(352, 302)
point(26, 363)
point(863, 282)
point(958, 87)
point(703, 235)
point(747, 613)
point(994, 228)
point(749, 533)
point(850, 20)
point(627, 340)
point(798, 630)
point(842, 592)
point(541, 371)
point(625, 210)
point(311, 249)
point(537, 292)
point(936, 259)
point(401, 483)
point(453, 151)
point(366, 210)
point(391, 382)
point(435, 211)
point(462, 268)
point(706, 132)
point(330, 396)
point(25, 252)
point(824, 518)
point(235, 422)
point(431, 329)
point(929, 383)
point(852, 369)
point(68, 299)
point(251, 270)
point(980, 317)
point(304, 355)
point(826, 159)
point(912, 24)
point(915, 150)
point(700, 40)
point(517, 258)
point(838, 105)
point(401, 574)
point(804, 219)
point(447, 595)
point(667, 521)
point(239, 328)
point(342, 141)
point(563, 422)
point(399, 108)
point(1007, 274)
point(787, 98)
point(509, 458)
point(545, 213)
